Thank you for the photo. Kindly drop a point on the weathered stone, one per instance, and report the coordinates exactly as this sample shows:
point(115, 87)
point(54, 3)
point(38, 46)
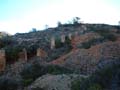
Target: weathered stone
point(63, 38)
point(23, 55)
point(52, 43)
point(84, 27)
point(2, 60)
point(70, 36)
point(41, 53)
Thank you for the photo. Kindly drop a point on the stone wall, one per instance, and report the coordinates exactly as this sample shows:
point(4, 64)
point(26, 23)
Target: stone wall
point(52, 43)
point(63, 38)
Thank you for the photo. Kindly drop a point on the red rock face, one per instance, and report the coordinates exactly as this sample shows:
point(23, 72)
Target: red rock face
point(83, 38)
point(86, 60)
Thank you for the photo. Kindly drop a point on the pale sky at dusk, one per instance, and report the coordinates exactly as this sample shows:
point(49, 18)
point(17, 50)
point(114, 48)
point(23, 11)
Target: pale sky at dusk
point(23, 15)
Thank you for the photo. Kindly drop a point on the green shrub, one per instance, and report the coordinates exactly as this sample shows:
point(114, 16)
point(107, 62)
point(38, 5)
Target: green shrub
point(37, 88)
point(106, 34)
point(5, 41)
point(95, 87)
point(75, 85)
point(54, 69)
point(110, 37)
point(86, 45)
point(35, 70)
point(12, 53)
point(8, 83)
point(58, 43)
point(31, 72)
point(91, 42)
point(67, 40)
point(27, 82)
point(102, 79)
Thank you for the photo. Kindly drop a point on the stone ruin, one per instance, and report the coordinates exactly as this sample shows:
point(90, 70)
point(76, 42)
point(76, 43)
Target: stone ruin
point(70, 36)
point(52, 43)
point(23, 55)
point(41, 53)
point(2, 60)
point(63, 38)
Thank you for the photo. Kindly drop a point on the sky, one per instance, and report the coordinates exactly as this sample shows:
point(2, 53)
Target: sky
point(19, 16)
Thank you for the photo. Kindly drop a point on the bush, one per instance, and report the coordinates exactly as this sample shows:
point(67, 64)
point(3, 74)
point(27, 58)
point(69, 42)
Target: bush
point(27, 82)
point(35, 70)
point(95, 87)
point(75, 85)
point(102, 79)
point(58, 43)
point(5, 41)
point(106, 34)
point(54, 69)
point(110, 37)
point(91, 42)
point(12, 53)
point(8, 83)
point(31, 72)
point(37, 88)
point(86, 45)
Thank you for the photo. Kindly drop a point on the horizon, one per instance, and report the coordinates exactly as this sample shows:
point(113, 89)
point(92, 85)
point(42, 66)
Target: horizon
point(20, 16)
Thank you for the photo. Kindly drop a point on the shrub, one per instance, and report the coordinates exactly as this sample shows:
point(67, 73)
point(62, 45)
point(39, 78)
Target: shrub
point(102, 79)
point(27, 82)
point(12, 53)
point(37, 88)
point(7, 40)
point(110, 37)
point(8, 83)
point(54, 69)
point(58, 43)
point(31, 72)
point(95, 87)
point(91, 42)
point(106, 34)
point(86, 45)
point(35, 70)
point(75, 85)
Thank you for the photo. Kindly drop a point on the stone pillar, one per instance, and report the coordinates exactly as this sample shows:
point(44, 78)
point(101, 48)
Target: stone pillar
point(52, 43)
point(2, 60)
point(63, 38)
point(41, 53)
point(23, 55)
point(70, 36)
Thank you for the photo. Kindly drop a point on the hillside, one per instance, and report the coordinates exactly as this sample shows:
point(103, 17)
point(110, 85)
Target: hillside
point(68, 57)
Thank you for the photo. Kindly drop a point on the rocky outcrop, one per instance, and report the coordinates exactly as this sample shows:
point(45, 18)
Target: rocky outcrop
point(54, 82)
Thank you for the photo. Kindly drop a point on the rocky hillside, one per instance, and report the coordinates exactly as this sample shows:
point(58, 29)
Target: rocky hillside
point(90, 60)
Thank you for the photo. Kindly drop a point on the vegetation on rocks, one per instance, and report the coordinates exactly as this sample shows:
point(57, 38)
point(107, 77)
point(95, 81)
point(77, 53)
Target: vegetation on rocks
point(35, 70)
point(106, 78)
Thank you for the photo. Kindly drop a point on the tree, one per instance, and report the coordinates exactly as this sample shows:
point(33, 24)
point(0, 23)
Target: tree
point(46, 27)
point(59, 23)
point(33, 30)
point(76, 20)
point(119, 23)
